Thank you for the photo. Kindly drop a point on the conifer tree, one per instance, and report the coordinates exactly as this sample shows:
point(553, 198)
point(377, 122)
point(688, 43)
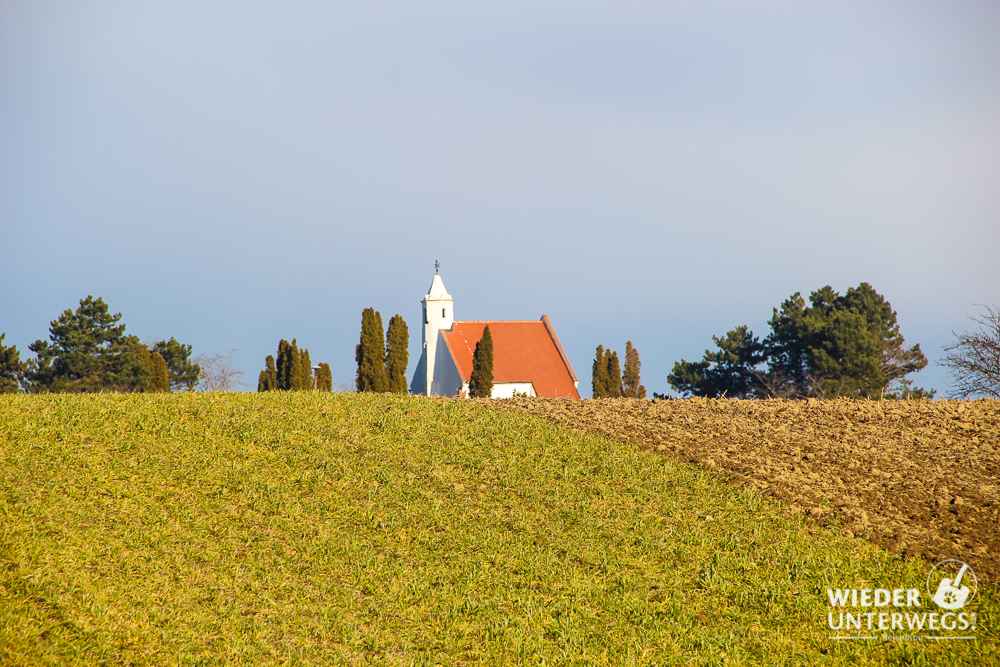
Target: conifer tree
point(134, 369)
point(630, 378)
point(155, 365)
point(839, 346)
point(370, 353)
point(284, 365)
point(183, 373)
point(268, 380)
point(11, 368)
point(324, 378)
point(296, 381)
point(397, 354)
point(159, 377)
point(481, 380)
point(305, 371)
point(293, 372)
point(599, 380)
point(614, 374)
point(87, 351)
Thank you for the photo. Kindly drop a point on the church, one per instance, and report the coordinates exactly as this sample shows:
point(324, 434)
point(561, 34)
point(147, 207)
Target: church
point(527, 356)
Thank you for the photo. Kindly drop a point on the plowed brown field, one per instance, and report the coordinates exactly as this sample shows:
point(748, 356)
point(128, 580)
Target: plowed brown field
point(916, 477)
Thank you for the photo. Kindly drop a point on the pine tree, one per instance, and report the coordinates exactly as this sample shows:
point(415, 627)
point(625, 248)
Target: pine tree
point(324, 378)
point(481, 380)
point(183, 373)
point(370, 353)
point(397, 354)
point(599, 376)
point(614, 374)
point(87, 351)
point(838, 346)
point(11, 368)
point(630, 378)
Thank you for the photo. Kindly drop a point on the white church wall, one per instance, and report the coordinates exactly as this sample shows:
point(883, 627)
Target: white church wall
point(447, 379)
point(507, 389)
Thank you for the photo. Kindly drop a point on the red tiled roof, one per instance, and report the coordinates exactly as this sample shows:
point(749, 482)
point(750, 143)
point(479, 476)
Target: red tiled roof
point(523, 351)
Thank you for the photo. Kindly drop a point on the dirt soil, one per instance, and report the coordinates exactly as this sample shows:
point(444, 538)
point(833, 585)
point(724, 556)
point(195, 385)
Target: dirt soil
point(916, 477)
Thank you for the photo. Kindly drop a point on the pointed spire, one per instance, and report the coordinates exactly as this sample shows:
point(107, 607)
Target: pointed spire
point(437, 292)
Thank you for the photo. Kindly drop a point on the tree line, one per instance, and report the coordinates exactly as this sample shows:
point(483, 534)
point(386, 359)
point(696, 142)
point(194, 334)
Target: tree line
point(293, 371)
point(382, 356)
point(837, 346)
point(608, 380)
point(89, 351)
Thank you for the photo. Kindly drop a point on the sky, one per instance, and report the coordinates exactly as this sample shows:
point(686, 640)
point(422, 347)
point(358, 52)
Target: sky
point(235, 173)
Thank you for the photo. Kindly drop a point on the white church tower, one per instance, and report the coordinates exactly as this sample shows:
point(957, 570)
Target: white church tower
point(439, 314)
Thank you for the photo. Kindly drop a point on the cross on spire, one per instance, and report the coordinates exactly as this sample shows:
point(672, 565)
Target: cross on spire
point(437, 266)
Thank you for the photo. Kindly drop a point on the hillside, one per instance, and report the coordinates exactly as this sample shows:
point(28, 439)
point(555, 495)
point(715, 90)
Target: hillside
point(300, 528)
point(916, 477)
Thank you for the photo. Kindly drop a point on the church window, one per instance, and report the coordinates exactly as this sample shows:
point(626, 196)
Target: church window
point(442, 312)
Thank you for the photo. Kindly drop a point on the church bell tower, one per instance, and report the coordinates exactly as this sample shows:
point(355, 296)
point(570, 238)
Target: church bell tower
point(439, 314)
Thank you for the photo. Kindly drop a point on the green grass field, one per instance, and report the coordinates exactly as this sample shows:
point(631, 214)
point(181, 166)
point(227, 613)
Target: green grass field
point(304, 528)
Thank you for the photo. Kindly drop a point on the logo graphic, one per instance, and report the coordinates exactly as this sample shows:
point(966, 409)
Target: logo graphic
point(899, 614)
point(952, 592)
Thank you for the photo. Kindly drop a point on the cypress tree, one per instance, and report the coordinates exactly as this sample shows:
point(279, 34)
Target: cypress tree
point(378, 351)
point(630, 378)
point(614, 375)
point(599, 379)
point(305, 371)
point(159, 378)
point(268, 379)
point(364, 379)
point(481, 380)
point(397, 354)
point(284, 370)
point(272, 374)
point(324, 378)
point(297, 381)
point(141, 357)
point(370, 353)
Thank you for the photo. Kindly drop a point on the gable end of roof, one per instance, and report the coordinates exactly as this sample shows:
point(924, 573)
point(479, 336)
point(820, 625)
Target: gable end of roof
point(559, 347)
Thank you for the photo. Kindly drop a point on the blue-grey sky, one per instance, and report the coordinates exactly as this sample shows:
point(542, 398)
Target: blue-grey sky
point(233, 173)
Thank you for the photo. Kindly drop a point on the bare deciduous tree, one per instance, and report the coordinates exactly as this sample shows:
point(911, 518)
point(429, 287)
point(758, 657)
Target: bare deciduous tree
point(218, 372)
point(974, 359)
